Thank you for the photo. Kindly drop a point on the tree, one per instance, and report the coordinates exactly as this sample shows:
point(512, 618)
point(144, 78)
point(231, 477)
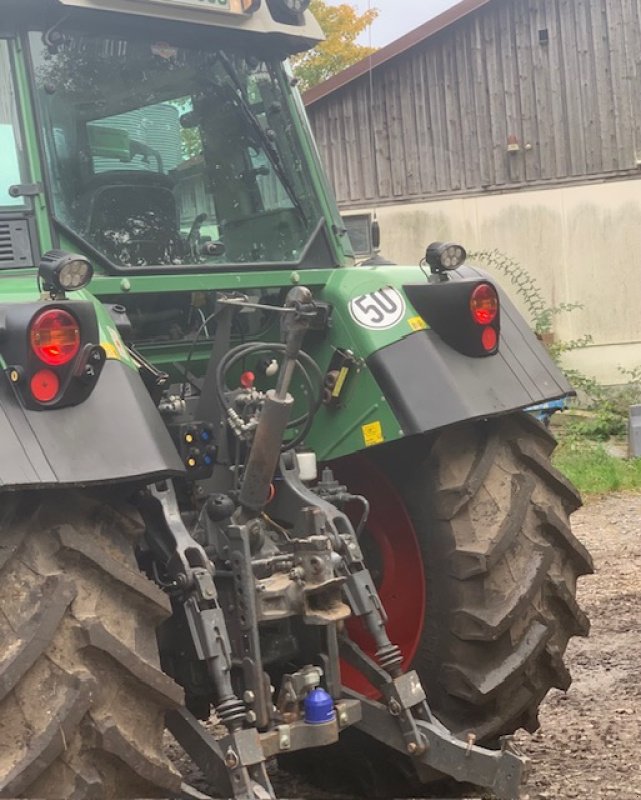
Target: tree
point(342, 25)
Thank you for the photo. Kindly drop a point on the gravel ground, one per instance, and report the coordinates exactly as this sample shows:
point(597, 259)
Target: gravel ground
point(589, 744)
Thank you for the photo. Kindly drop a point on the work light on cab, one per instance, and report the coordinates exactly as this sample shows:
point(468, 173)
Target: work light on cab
point(484, 304)
point(55, 337)
point(289, 12)
point(445, 256)
point(61, 272)
point(293, 6)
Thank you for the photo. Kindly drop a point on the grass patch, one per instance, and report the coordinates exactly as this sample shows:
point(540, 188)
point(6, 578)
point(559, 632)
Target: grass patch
point(594, 471)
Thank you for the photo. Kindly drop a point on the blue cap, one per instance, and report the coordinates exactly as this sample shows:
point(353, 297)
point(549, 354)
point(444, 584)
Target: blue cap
point(319, 707)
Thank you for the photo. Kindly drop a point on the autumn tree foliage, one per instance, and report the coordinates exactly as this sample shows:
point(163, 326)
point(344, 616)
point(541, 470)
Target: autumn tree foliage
point(342, 25)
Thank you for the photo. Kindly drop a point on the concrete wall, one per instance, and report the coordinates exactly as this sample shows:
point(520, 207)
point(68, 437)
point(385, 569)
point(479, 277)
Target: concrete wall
point(583, 243)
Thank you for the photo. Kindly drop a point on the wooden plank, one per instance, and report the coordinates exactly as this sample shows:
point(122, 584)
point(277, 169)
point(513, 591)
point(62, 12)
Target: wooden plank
point(603, 84)
point(586, 83)
point(542, 87)
point(409, 126)
point(353, 156)
point(395, 129)
point(558, 89)
point(620, 95)
point(6, 97)
point(497, 101)
point(632, 45)
point(516, 161)
point(338, 151)
point(434, 61)
point(481, 108)
point(524, 19)
point(469, 122)
point(381, 140)
point(427, 168)
point(574, 108)
point(452, 114)
point(318, 120)
point(366, 144)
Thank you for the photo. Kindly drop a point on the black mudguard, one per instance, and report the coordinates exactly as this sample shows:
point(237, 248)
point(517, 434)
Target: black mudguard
point(430, 385)
point(116, 435)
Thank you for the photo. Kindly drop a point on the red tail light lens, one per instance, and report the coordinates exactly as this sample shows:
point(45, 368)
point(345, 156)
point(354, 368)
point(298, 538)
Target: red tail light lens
point(45, 385)
point(489, 339)
point(55, 337)
point(484, 304)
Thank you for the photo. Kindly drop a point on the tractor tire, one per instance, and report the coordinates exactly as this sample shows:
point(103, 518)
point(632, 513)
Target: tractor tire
point(482, 511)
point(501, 564)
point(82, 696)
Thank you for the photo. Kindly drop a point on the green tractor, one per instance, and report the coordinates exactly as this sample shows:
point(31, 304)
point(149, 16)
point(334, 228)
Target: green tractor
point(282, 505)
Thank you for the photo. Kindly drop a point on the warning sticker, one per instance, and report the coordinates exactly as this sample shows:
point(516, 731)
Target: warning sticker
point(417, 323)
point(110, 351)
point(373, 434)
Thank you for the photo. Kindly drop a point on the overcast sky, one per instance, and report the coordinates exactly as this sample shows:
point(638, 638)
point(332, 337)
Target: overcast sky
point(397, 17)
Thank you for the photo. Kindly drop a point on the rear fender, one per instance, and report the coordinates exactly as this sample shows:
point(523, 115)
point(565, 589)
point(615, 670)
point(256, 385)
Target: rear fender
point(115, 435)
point(407, 379)
point(102, 428)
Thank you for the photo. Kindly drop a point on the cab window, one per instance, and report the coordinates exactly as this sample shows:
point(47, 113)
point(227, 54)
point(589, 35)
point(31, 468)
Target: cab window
point(11, 172)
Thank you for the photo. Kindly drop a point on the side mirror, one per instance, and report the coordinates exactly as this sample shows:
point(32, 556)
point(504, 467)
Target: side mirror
point(376, 235)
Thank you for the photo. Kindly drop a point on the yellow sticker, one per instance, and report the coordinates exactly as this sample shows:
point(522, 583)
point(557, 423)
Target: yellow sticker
point(373, 434)
point(417, 324)
point(340, 382)
point(110, 350)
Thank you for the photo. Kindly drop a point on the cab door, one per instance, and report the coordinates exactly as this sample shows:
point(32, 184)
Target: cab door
point(18, 240)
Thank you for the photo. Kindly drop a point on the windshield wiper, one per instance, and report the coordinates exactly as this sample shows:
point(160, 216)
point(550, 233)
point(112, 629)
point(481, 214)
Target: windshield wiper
point(271, 151)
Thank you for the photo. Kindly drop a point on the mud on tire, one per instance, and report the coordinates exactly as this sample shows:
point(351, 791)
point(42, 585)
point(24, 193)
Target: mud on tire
point(492, 517)
point(82, 697)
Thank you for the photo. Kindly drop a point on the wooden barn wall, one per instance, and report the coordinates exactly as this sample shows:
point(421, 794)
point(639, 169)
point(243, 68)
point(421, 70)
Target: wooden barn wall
point(5, 99)
point(440, 117)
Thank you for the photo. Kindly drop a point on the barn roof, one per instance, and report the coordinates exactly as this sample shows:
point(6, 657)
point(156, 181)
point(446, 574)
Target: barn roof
point(396, 48)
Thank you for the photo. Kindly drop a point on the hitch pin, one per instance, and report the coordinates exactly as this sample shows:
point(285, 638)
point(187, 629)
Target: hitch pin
point(471, 741)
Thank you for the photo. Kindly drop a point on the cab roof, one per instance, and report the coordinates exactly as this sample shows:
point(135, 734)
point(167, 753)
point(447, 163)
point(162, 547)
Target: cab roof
point(225, 14)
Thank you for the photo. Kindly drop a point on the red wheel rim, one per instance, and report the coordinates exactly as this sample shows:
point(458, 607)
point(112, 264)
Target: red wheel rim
point(401, 579)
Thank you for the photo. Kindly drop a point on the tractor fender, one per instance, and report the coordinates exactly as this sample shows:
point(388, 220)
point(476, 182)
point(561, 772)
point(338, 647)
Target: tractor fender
point(116, 435)
point(430, 385)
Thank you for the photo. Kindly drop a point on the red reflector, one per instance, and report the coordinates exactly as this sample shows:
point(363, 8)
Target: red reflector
point(489, 339)
point(45, 385)
point(484, 304)
point(55, 337)
point(247, 380)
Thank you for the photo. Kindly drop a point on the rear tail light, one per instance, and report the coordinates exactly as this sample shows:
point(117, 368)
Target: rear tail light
point(484, 304)
point(464, 311)
point(489, 339)
point(55, 337)
point(51, 352)
point(45, 385)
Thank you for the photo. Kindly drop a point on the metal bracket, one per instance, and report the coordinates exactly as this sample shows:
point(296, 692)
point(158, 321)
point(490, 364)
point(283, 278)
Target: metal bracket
point(408, 725)
point(500, 771)
point(235, 764)
point(25, 190)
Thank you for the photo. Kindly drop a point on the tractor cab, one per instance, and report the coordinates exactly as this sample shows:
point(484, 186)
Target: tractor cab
point(173, 156)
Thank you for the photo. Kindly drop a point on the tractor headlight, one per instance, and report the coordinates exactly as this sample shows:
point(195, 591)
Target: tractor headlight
point(60, 271)
point(442, 256)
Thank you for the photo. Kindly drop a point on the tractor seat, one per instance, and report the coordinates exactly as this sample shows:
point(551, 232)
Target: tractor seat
point(132, 217)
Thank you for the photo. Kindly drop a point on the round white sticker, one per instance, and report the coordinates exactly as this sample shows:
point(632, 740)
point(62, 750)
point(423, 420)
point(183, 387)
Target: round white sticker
point(378, 310)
